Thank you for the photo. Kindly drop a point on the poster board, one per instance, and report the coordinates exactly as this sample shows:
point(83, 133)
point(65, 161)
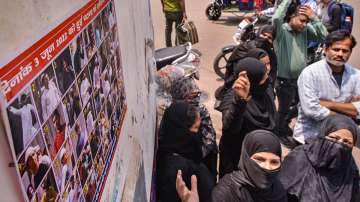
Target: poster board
point(65, 104)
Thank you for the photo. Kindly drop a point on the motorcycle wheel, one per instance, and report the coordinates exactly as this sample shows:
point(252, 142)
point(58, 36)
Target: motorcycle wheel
point(220, 62)
point(212, 12)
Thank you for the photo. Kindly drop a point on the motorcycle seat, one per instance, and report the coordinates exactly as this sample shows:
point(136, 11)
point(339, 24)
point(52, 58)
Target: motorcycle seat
point(165, 56)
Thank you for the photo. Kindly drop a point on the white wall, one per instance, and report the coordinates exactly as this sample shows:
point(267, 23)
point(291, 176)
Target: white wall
point(23, 22)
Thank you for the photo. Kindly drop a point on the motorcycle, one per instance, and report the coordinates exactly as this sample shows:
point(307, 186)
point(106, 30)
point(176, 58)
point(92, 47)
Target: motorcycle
point(173, 63)
point(216, 7)
point(246, 31)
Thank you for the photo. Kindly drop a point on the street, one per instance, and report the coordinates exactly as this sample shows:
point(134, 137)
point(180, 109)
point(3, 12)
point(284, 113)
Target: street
point(213, 35)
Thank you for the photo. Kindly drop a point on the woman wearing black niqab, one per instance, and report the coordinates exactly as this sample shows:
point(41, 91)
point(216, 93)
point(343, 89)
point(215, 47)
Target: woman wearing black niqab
point(240, 116)
point(252, 182)
point(180, 149)
point(324, 169)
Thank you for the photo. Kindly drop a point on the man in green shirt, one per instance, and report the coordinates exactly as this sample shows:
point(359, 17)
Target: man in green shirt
point(174, 12)
point(295, 27)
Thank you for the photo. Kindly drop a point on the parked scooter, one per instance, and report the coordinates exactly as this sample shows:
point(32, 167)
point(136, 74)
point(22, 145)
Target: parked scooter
point(182, 56)
point(246, 31)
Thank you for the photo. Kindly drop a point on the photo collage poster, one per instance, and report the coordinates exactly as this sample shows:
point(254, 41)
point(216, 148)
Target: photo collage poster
point(65, 122)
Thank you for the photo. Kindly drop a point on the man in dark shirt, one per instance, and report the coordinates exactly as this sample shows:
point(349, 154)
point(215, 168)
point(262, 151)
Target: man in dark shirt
point(332, 21)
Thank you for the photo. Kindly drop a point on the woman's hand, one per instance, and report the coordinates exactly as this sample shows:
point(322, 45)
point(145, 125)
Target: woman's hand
point(241, 86)
point(185, 194)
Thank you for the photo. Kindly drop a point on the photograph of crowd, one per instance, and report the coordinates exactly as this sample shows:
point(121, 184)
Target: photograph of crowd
point(63, 122)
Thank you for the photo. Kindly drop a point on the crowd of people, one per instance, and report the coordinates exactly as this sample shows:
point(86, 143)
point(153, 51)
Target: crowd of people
point(323, 97)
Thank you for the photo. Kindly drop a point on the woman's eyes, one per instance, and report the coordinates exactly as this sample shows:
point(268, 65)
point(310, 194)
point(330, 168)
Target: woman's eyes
point(260, 159)
point(275, 162)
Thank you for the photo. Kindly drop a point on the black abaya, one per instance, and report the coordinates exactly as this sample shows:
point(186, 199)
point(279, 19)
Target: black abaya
point(323, 170)
point(251, 183)
point(240, 117)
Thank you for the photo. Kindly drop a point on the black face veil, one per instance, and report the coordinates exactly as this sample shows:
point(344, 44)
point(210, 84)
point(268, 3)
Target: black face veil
point(262, 184)
point(323, 170)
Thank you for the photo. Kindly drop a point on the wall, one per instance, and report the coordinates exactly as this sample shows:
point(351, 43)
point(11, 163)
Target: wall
point(23, 22)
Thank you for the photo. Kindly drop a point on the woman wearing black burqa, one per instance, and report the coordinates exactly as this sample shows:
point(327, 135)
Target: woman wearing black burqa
point(324, 169)
point(256, 180)
point(180, 149)
point(263, 40)
point(246, 106)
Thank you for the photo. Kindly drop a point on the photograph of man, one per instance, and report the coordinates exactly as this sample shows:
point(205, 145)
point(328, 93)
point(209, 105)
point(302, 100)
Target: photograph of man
point(106, 143)
point(109, 106)
point(37, 164)
point(73, 104)
point(30, 191)
point(85, 164)
point(99, 164)
point(23, 121)
point(94, 142)
point(78, 56)
point(66, 165)
point(90, 187)
point(56, 130)
point(103, 52)
point(73, 191)
point(105, 83)
point(104, 123)
point(91, 48)
point(79, 136)
point(88, 113)
point(48, 191)
point(64, 70)
point(96, 72)
point(85, 86)
point(114, 92)
point(99, 32)
point(104, 19)
point(98, 100)
point(50, 96)
point(114, 124)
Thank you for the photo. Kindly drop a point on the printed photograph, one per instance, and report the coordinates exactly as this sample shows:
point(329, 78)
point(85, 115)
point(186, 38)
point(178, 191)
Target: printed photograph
point(90, 41)
point(64, 165)
point(99, 31)
point(48, 191)
point(89, 115)
point(23, 121)
point(99, 164)
point(84, 164)
point(72, 104)
point(56, 130)
point(95, 68)
point(64, 70)
point(84, 83)
point(34, 164)
point(79, 136)
point(90, 187)
point(94, 142)
point(78, 53)
point(73, 191)
point(46, 93)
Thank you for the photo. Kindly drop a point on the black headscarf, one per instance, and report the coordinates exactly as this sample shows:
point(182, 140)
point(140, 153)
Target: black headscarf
point(255, 72)
point(323, 170)
point(176, 136)
point(257, 53)
point(262, 184)
point(260, 110)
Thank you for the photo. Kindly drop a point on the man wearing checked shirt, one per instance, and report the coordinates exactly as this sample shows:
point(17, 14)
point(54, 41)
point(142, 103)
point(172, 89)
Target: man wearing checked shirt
point(295, 27)
point(327, 87)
